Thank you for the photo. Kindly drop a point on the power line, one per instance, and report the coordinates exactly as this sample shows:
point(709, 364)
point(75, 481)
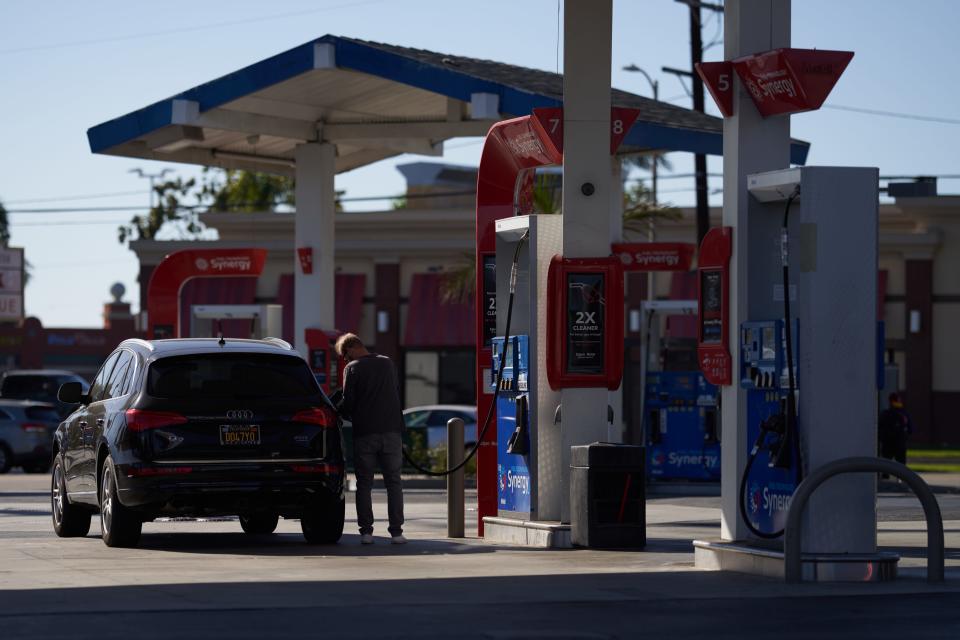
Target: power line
point(203, 27)
point(893, 114)
point(85, 196)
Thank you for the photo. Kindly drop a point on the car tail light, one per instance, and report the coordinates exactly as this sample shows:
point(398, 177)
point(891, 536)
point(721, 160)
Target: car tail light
point(31, 427)
point(138, 471)
point(316, 468)
point(139, 420)
point(317, 415)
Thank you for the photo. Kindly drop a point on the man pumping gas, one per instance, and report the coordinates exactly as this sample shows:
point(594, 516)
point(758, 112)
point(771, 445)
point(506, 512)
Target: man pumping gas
point(371, 400)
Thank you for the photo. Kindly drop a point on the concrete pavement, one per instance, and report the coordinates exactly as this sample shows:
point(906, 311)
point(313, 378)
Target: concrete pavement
point(210, 580)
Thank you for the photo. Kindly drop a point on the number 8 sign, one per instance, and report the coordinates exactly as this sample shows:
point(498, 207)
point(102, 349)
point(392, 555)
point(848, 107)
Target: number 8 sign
point(550, 121)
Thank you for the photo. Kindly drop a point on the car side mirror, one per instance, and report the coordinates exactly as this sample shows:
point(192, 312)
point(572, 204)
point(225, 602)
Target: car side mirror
point(71, 393)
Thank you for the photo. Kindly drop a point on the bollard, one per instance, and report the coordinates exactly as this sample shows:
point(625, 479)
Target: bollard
point(455, 484)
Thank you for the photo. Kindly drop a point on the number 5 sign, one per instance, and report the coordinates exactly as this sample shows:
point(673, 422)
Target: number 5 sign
point(550, 121)
point(718, 76)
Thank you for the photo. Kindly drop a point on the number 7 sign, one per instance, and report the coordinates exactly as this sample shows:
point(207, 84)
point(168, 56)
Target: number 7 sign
point(550, 121)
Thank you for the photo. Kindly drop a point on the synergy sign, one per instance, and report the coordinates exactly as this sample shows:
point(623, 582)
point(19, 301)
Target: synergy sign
point(654, 256)
point(781, 81)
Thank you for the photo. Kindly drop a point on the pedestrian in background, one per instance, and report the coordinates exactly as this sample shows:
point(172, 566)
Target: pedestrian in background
point(895, 428)
point(371, 400)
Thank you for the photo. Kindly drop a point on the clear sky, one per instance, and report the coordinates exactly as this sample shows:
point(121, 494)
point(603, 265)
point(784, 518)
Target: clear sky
point(66, 66)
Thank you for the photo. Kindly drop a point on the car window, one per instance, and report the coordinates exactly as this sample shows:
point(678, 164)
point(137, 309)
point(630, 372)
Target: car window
point(96, 389)
point(46, 414)
point(31, 387)
point(231, 375)
point(5, 416)
point(416, 418)
point(114, 384)
point(129, 378)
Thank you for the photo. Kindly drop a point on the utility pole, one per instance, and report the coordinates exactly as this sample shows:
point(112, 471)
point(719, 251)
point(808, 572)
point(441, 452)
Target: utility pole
point(151, 177)
point(700, 160)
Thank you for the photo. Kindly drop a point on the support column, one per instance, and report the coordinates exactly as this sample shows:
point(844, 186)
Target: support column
point(750, 144)
point(587, 189)
point(387, 301)
point(315, 229)
point(616, 427)
point(919, 348)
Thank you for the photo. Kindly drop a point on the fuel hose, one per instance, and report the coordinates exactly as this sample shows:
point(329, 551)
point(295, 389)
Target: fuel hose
point(496, 393)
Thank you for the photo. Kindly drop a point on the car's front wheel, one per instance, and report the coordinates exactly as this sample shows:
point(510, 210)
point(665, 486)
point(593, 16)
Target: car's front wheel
point(322, 521)
point(259, 524)
point(119, 526)
point(69, 520)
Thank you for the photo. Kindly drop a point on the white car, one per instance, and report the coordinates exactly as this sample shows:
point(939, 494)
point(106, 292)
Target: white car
point(433, 419)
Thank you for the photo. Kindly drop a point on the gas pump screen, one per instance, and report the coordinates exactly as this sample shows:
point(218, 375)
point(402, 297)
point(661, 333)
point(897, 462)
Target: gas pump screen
point(585, 322)
point(489, 299)
point(711, 291)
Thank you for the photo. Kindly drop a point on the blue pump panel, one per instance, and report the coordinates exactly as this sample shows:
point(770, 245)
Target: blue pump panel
point(681, 423)
point(763, 374)
point(514, 481)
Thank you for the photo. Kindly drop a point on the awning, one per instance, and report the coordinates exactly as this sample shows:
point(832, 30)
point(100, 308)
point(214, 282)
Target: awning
point(218, 291)
point(432, 323)
point(348, 302)
point(373, 101)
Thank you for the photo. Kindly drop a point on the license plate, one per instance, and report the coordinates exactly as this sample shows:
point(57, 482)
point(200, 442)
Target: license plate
point(239, 434)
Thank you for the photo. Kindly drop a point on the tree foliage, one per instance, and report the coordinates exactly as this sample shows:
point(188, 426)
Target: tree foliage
point(233, 191)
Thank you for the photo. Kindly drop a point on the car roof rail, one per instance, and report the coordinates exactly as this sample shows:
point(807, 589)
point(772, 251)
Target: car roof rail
point(146, 344)
point(280, 342)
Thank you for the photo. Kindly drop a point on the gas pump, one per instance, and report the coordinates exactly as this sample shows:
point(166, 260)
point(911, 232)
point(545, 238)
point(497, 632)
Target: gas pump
point(681, 422)
point(807, 351)
point(327, 366)
point(528, 441)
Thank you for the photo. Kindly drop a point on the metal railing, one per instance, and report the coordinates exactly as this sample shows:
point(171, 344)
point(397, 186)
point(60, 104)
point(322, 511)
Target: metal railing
point(792, 544)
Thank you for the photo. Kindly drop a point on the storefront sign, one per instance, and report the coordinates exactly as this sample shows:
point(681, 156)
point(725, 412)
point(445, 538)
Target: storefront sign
point(654, 256)
point(11, 284)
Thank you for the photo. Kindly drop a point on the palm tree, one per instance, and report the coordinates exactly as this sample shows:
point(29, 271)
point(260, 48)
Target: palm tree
point(639, 211)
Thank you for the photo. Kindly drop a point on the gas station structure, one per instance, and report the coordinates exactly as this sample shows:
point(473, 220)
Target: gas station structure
point(799, 386)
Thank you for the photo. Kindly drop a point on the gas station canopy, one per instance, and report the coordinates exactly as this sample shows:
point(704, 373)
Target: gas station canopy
point(372, 101)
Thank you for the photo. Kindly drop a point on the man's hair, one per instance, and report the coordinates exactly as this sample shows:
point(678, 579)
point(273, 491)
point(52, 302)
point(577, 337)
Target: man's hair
point(346, 341)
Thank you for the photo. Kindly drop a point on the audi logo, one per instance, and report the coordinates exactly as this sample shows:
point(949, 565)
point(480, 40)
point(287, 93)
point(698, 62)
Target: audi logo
point(239, 414)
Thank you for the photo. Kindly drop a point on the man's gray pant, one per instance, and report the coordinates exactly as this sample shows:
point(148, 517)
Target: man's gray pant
point(385, 450)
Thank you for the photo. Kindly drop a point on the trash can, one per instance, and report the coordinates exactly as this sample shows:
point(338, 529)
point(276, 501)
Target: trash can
point(607, 496)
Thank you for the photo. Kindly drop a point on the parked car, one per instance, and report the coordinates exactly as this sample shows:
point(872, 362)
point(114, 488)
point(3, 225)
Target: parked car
point(199, 427)
point(26, 431)
point(434, 419)
point(38, 384)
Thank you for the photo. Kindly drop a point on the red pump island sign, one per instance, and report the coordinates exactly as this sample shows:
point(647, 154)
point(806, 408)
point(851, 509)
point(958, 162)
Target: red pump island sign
point(781, 81)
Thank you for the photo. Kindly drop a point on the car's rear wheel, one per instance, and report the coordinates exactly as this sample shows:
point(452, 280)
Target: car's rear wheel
point(259, 524)
point(322, 521)
point(119, 526)
point(69, 520)
point(6, 458)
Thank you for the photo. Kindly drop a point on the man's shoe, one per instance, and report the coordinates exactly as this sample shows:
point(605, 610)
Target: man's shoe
point(366, 538)
point(398, 539)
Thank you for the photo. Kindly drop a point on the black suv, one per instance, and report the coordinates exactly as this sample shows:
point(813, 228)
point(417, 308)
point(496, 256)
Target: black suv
point(199, 427)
